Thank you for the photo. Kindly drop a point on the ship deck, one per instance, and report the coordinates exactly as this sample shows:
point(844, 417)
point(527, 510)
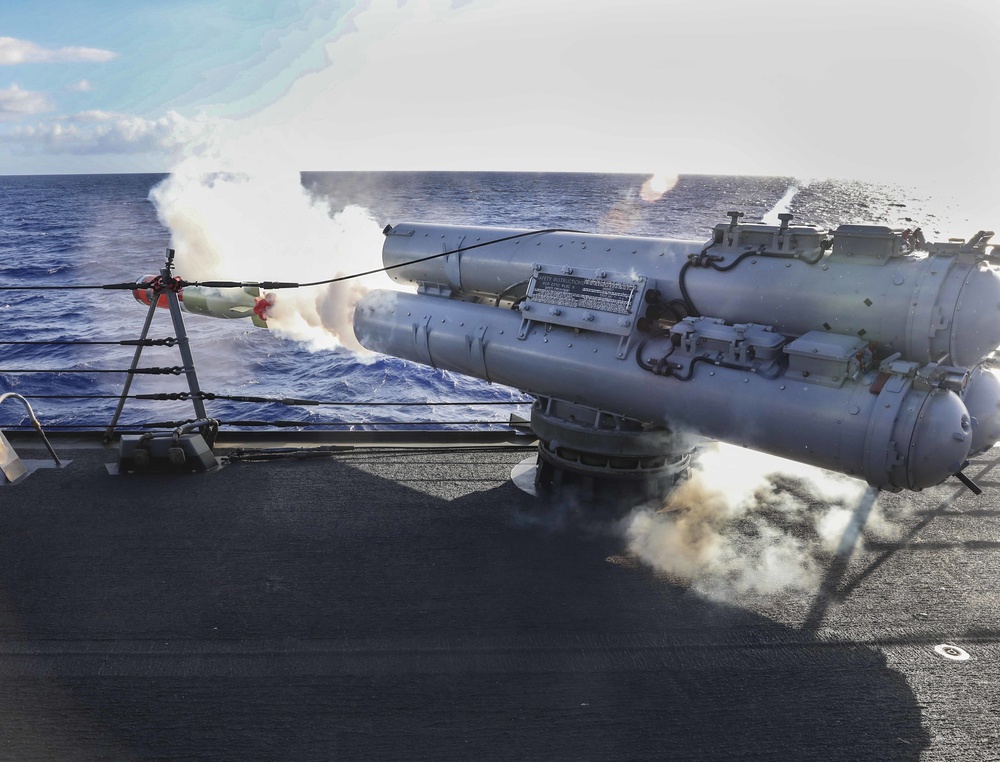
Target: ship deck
point(390, 602)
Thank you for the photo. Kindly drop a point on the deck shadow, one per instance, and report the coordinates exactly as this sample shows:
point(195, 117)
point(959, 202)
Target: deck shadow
point(372, 610)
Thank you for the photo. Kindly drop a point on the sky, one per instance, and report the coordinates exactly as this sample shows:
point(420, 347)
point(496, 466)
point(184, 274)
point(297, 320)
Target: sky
point(886, 90)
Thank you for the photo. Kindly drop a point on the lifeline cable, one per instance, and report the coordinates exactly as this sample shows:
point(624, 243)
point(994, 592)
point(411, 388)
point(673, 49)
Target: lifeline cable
point(174, 371)
point(266, 424)
point(185, 396)
point(272, 286)
point(255, 454)
point(275, 285)
point(261, 424)
point(172, 396)
point(167, 342)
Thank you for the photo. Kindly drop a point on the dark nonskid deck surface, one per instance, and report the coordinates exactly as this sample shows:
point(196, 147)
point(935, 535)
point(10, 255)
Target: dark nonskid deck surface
point(407, 605)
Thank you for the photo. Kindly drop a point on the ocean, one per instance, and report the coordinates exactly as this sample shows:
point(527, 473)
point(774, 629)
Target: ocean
point(57, 231)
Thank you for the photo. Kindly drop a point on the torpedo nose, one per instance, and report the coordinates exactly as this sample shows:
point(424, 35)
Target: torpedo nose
point(941, 441)
point(976, 329)
point(982, 398)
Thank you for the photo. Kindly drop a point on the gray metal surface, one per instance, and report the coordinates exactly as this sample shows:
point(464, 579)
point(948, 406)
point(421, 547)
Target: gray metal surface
point(897, 437)
point(414, 604)
point(851, 350)
point(925, 305)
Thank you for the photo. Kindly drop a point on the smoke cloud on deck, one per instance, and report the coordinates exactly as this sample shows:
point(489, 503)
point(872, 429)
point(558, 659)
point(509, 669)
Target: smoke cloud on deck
point(748, 523)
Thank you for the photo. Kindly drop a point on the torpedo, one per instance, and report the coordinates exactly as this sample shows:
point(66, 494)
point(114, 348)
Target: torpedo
point(228, 303)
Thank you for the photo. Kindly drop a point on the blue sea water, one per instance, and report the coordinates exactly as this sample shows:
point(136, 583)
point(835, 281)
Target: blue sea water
point(96, 229)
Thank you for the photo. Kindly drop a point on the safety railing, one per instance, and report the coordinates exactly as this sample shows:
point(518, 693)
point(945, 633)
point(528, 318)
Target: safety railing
point(41, 380)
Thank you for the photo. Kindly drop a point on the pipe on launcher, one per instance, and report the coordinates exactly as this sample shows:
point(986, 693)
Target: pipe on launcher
point(884, 427)
point(938, 304)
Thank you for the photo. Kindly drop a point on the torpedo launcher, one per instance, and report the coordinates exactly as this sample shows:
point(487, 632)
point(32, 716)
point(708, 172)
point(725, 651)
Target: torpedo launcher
point(860, 350)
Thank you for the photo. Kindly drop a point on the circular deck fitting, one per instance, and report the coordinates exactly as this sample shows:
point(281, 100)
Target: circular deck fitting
point(949, 651)
point(523, 475)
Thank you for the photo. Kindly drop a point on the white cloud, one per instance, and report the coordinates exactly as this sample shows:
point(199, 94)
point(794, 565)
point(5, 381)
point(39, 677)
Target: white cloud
point(104, 132)
point(83, 86)
point(95, 115)
point(15, 102)
point(14, 51)
point(719, 86)
point(634, 85)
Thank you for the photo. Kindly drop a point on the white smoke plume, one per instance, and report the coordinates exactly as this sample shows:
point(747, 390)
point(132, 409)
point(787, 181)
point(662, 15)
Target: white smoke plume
point(782, 206)
point(237, 211)
point(657, 186)
point(746, 522)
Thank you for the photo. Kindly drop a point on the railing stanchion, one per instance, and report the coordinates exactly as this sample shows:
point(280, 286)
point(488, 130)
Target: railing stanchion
point(109, 432)
point(183, 345)
point(187, 359)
